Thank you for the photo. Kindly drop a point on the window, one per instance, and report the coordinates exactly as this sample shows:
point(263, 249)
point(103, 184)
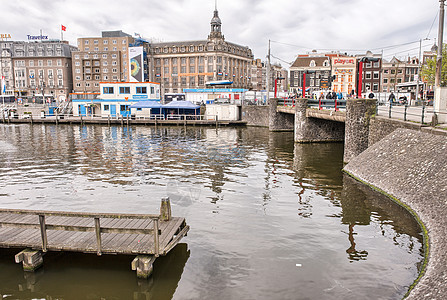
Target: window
point(114, 63)
point(114, 42)
point(59, 62)
point(108, 90)
point(113, 55)
point(124, 90)
point(40, 63)
point(183, 69)
point(105, 42)
point(385, 80)
point(312, 64)
point(376, 75)
point(114, 70)
point(124, 42)
point(152, 90)
point(104, 56)
point(87, 48)
point(106, 49)
point(141, 90)
point(106, 107)
point(86, 42)
point(192, 69)
point(183, 60)
point(375, 87)
point(368, 75)
point(31, 63)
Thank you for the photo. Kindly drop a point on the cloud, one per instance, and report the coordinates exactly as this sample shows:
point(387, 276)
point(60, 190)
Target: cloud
point(318, 24)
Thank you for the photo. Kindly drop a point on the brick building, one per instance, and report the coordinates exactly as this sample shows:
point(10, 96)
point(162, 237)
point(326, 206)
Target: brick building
point(37, 70)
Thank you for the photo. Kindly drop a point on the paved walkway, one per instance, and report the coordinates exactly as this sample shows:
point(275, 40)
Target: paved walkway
point(411, 113)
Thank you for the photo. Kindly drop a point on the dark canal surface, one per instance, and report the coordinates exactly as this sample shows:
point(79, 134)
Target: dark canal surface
point(269, 219)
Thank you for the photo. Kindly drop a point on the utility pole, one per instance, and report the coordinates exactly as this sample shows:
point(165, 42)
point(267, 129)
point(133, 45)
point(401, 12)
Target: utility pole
point(440, 45)
point(268, 75)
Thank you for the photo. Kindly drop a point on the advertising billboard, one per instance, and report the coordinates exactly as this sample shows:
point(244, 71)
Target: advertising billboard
point(136, 72)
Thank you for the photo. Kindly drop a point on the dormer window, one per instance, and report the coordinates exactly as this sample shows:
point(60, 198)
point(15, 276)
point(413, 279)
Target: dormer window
point(312, 63)
point(326, 63)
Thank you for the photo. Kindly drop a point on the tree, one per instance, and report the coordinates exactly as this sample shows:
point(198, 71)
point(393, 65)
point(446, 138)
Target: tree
point(429, 69)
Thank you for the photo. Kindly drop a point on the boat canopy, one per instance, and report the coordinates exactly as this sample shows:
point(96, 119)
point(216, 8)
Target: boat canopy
point(181, 105)
point(146, 104)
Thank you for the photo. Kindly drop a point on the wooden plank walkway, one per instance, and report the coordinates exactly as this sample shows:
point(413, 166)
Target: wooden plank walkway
point(101, 233)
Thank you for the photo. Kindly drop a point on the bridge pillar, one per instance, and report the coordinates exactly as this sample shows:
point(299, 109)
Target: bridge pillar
point(358, 116)
point(313, 130)
point(279, 121)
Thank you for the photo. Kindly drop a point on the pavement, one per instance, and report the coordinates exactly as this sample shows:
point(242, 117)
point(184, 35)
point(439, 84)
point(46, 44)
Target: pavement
point(416, 114)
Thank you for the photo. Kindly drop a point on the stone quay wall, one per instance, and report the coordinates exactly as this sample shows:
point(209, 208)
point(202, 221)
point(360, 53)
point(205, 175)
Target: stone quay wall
point(256, 115)
point(410, 167)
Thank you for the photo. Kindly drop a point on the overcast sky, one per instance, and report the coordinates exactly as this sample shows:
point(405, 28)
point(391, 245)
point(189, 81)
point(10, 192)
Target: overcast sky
point(294, 26)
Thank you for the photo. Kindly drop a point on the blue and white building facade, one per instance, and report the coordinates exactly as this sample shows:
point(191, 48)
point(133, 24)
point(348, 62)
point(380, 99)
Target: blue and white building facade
point(115, 99)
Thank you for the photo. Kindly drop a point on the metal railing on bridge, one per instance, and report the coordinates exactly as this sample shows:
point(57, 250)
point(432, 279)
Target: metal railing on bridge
point(335, 104)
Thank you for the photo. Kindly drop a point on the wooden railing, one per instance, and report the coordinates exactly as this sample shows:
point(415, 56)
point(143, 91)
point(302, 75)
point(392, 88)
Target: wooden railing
point(96, 228)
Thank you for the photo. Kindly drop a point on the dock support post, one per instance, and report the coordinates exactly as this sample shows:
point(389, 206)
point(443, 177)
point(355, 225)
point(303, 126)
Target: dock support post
point(30, 259)
point(43, 232)
point(165, 209)
point(98, 235)
point(143, 264)
point(108, 120)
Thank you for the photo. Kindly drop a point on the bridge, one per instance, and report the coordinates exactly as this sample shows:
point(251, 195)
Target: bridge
point(356, 122)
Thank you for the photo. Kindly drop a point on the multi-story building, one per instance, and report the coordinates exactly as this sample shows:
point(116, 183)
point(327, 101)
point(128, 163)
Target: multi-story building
point(344, 70)
point(101, 59)
point(317, 68)
point(279, 75)
point(393, 73)
point(258, 77)
point(37, 70)
point(190, 64)
point(371, 72)
point(6, 72)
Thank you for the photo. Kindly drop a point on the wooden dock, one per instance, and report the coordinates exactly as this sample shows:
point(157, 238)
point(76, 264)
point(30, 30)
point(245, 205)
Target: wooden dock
point(147, 236)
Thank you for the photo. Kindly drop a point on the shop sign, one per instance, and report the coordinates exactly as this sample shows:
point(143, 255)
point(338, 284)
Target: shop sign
point(37, 37)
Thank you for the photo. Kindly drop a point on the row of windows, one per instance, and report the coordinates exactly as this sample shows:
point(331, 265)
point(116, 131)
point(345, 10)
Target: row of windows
point(104, 49)
point(126, 90)
point(32, 63)
point(200, 48)
point(105, 42)
point(96, 56)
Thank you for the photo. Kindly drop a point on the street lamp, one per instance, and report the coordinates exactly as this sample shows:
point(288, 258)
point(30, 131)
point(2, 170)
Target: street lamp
point(363, 60)
point(276, 83)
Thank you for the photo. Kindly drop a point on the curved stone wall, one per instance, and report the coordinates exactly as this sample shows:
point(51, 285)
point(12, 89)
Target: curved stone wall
point(410, 166)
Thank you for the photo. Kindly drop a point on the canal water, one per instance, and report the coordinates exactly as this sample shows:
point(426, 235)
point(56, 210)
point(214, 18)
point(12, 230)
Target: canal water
point(269, 219)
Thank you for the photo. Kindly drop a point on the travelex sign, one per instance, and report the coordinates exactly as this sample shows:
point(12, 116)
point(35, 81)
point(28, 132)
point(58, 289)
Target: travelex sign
point(5, 36)
point(37, 37)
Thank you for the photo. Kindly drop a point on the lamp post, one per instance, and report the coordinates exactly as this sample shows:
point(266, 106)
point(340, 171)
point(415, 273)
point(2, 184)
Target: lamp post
point(360, 83)
point(276, 84)
point(440, 44)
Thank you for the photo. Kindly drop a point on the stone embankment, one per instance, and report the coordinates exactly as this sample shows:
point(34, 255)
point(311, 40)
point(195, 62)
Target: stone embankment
point(410, 167)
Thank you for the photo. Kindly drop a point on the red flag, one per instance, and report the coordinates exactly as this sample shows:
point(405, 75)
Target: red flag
point(64, 28)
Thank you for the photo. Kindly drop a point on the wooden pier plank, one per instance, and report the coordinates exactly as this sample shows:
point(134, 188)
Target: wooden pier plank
point(60, 238)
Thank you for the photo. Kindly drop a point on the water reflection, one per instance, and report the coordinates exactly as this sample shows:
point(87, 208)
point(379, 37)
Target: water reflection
point(83, 276)
point(269, 218)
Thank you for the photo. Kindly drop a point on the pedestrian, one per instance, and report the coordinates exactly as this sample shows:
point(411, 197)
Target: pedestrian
point(329, 95)
point(392, 98)
point(340, 96)
point(371, 95)
point(334, 95)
